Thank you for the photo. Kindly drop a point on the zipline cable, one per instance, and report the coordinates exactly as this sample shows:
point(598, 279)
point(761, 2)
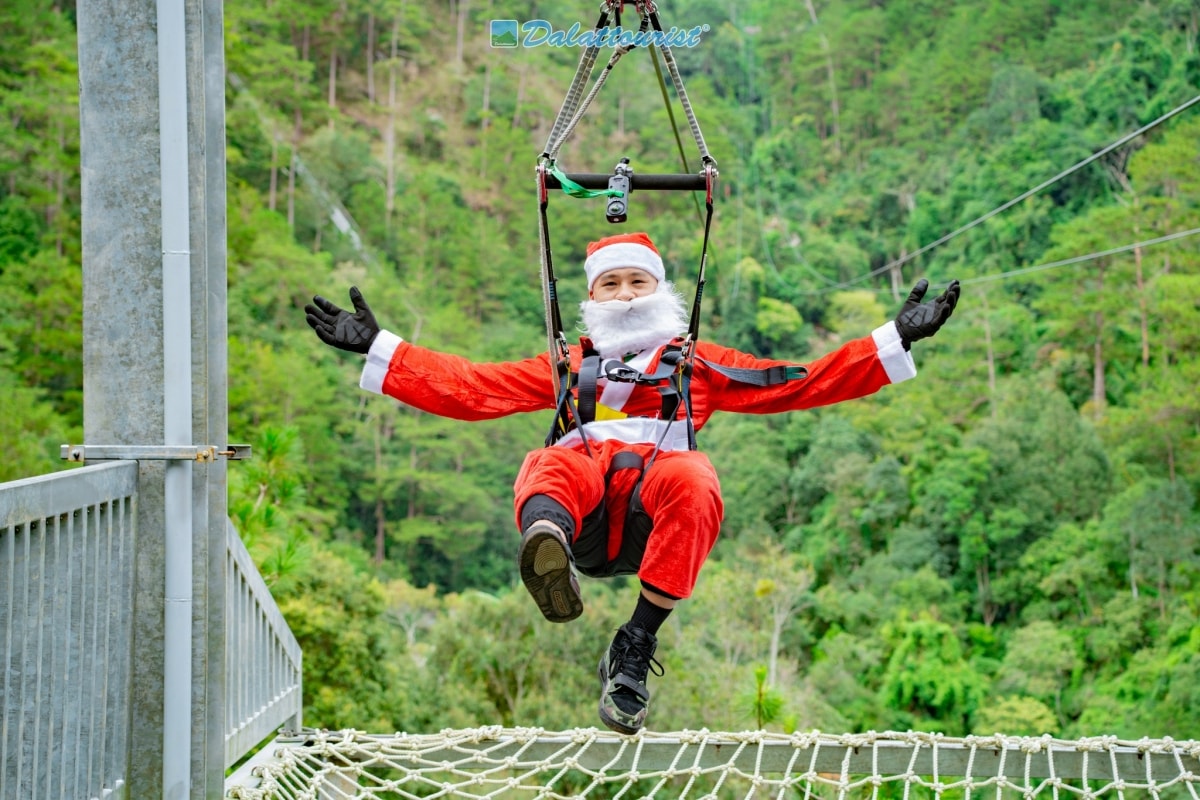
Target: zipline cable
point(1170, 237)
point(1125, 248)
point(926, 248)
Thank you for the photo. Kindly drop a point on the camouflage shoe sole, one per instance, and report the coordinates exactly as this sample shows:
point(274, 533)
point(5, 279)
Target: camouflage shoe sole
point(547, 572)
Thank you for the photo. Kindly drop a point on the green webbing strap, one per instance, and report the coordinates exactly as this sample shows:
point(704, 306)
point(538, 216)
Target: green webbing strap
point(575, 190)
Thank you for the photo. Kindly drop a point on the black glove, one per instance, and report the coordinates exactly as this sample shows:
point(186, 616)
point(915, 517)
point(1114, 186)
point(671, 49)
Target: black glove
point(338, 327)
point(919, 320)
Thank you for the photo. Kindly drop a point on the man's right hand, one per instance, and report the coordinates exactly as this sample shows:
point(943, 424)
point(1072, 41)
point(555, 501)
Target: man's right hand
point(338, 327)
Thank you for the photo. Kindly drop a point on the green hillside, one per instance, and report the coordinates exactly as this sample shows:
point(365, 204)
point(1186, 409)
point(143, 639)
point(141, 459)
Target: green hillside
point(1010, 542)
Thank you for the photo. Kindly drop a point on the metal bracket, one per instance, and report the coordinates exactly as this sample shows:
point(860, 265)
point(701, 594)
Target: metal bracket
point(180, 452)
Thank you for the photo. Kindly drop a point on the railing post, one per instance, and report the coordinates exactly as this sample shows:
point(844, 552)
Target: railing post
point(132, 358)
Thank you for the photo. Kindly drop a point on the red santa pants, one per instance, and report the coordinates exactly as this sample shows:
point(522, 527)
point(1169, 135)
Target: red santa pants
point(679, 492)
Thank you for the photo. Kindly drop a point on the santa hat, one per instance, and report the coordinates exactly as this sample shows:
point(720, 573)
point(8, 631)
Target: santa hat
point(625, 250)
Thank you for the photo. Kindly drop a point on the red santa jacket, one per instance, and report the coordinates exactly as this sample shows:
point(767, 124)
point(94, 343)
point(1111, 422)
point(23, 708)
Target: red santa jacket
point(452, 386)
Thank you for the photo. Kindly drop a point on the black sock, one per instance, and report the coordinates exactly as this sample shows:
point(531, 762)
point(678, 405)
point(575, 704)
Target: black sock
point(648, 616)
point(541, 506)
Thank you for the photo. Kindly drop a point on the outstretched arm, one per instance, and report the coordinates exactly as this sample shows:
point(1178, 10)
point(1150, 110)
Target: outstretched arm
point(439, 383)
point(858, 368)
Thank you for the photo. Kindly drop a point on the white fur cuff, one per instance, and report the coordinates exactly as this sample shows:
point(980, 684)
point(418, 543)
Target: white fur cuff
point(378, 359)
point(897, 362)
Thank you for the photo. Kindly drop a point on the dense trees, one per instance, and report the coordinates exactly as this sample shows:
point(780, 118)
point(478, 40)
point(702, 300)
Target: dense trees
point(1010, 542)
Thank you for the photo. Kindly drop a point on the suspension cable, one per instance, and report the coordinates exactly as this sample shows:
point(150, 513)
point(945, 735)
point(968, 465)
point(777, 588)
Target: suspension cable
point(601, 79)
point(677, 80)
point(1065, 262)
point(583, 71)
point(1125, 248)
point(662, 85)
point(963, 229)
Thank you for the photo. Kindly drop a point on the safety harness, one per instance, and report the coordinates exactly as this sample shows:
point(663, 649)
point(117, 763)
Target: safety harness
point(576, 390)
point(578, 397)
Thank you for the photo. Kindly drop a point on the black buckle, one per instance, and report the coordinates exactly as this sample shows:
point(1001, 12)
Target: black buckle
point(622, 373)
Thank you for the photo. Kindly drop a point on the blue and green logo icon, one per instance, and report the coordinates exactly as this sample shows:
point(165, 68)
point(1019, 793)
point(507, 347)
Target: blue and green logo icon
point(504, 32)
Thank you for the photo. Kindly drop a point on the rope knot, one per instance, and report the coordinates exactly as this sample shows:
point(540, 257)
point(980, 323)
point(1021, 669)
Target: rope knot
point(858, 740)
point(804, 740)
point(1031, 745)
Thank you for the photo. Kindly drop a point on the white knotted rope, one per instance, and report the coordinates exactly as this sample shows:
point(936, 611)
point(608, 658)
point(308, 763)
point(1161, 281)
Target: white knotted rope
point(496, 762)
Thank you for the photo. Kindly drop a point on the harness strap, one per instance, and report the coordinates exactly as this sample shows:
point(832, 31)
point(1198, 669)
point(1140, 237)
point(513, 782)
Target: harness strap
point(556, 343)
point(674, 368)
point(685, 394)
point(626, 459)
point(668, 365)
point(768, 376)
point(567, 412)
point(710, 177)
point(589, 370)
point(670, 401)
point(574, 413)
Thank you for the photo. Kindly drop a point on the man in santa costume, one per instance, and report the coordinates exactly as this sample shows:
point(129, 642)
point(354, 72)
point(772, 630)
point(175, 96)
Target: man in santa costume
point(620, 490)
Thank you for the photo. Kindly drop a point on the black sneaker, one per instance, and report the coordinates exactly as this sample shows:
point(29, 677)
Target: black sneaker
point(547, 570)
point(624, 698)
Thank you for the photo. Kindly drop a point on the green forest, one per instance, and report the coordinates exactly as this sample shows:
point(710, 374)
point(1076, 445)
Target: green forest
point(1008, 543)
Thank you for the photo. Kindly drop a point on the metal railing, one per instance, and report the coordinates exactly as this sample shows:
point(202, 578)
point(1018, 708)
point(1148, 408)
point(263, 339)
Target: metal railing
point(67, 546)
point(262, 658)
point(66, 593)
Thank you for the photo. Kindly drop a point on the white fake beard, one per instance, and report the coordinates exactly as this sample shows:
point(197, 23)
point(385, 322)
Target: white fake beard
point(620, 327)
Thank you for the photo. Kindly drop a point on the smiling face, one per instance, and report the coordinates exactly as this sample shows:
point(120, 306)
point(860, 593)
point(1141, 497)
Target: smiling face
point(623, 283)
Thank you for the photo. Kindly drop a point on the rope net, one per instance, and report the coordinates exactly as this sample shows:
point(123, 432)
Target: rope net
point(495, 762)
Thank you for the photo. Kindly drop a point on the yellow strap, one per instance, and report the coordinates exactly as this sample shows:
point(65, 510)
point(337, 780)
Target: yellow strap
point(603, 412)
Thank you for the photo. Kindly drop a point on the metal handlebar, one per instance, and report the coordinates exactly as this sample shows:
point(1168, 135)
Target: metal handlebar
point(639, 182)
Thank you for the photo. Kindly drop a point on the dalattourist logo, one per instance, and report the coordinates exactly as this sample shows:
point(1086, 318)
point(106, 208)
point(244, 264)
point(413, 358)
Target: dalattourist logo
point(539, 33)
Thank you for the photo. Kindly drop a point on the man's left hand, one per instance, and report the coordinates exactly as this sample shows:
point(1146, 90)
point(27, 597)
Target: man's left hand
point(918, 320)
